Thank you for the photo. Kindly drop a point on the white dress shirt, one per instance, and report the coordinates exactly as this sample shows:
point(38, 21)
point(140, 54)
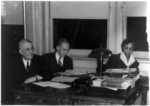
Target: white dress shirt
point(25, 62)
point(124, 59)
point(57, 58)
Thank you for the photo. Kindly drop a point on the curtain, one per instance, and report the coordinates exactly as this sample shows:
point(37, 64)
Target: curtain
point(37, 16)
point(111, 26)
point(116, 26)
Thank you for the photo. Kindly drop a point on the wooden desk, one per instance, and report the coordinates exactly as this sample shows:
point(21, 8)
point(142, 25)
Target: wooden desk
point(32, 94)
point(144, 87)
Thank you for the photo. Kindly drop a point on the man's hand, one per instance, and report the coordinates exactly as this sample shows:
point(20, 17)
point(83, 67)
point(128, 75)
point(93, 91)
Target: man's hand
point(32, 79)
point(29, 80)
point(38, 77)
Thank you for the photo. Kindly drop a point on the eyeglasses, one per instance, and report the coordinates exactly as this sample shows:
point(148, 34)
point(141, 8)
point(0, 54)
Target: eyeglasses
point(28, 49)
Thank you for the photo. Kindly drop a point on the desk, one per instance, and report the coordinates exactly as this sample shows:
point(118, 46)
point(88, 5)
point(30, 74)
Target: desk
point(33, 94)
point(144, 86)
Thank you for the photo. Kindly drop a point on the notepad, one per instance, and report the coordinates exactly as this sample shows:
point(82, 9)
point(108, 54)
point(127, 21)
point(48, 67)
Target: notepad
point(52, 84)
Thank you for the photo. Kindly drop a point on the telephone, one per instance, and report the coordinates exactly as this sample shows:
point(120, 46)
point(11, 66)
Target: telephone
point(82, 83)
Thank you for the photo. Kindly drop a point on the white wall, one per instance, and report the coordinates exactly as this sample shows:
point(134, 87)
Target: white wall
point(93, 10)
point(12, 12)
point(136, 8)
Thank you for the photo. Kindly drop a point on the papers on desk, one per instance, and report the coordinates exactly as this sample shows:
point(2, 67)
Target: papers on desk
point(117, 79)
point(121, 70)
point(116, 83)
point(117, 71)
point(52, 84)
point(72, 73)
point(113, 83)
point(64, 79)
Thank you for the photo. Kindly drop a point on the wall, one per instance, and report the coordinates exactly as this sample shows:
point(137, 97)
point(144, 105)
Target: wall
point(136, 8)
point(29, 20)
point(95, 10)
point(12, 12)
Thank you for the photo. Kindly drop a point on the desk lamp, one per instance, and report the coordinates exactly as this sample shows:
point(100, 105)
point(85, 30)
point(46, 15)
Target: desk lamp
point(100, 54)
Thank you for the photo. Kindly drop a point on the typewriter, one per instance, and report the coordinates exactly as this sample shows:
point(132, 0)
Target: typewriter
point(82, 83)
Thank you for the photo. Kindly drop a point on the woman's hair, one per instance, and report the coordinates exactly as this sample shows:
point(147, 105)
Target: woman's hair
point(125, 42)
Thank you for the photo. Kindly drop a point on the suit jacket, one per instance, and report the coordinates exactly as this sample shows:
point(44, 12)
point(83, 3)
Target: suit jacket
point(18, 74)
point(115, 62)
point(53, 67)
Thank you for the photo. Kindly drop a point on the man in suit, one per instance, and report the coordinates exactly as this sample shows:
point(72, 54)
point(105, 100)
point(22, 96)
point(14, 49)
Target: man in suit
point(58, 61)
point(26, 67)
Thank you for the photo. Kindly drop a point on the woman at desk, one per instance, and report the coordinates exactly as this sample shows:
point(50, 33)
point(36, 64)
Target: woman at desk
point(124, 59)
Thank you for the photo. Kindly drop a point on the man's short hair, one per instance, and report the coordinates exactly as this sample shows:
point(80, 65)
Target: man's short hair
point(60, 41)
point(23, 41)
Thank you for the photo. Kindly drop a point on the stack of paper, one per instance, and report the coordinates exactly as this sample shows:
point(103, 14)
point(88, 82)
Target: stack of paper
point(116, 83)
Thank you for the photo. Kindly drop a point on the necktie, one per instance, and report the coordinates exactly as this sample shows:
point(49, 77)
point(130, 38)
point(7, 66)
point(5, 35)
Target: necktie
point(59, 62)
point(28, 66)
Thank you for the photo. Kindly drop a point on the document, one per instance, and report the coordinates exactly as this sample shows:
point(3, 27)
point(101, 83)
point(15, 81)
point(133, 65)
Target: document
point(72, 72)
point(64, 79)
point(52, 84)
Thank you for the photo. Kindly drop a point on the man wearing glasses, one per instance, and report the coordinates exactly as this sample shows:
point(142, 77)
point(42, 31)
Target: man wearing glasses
point(27, 67)
point(58, 61)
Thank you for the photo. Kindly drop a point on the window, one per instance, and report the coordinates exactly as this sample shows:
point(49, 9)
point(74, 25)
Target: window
point(136, 30)
point(82, 33)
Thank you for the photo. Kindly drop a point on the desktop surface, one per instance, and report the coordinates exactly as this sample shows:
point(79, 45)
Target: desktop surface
point(34, 94)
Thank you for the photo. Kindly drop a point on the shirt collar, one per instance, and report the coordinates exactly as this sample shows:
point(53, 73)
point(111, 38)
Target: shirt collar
point(124, 59)
point(25, 62)
point(58, 56)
